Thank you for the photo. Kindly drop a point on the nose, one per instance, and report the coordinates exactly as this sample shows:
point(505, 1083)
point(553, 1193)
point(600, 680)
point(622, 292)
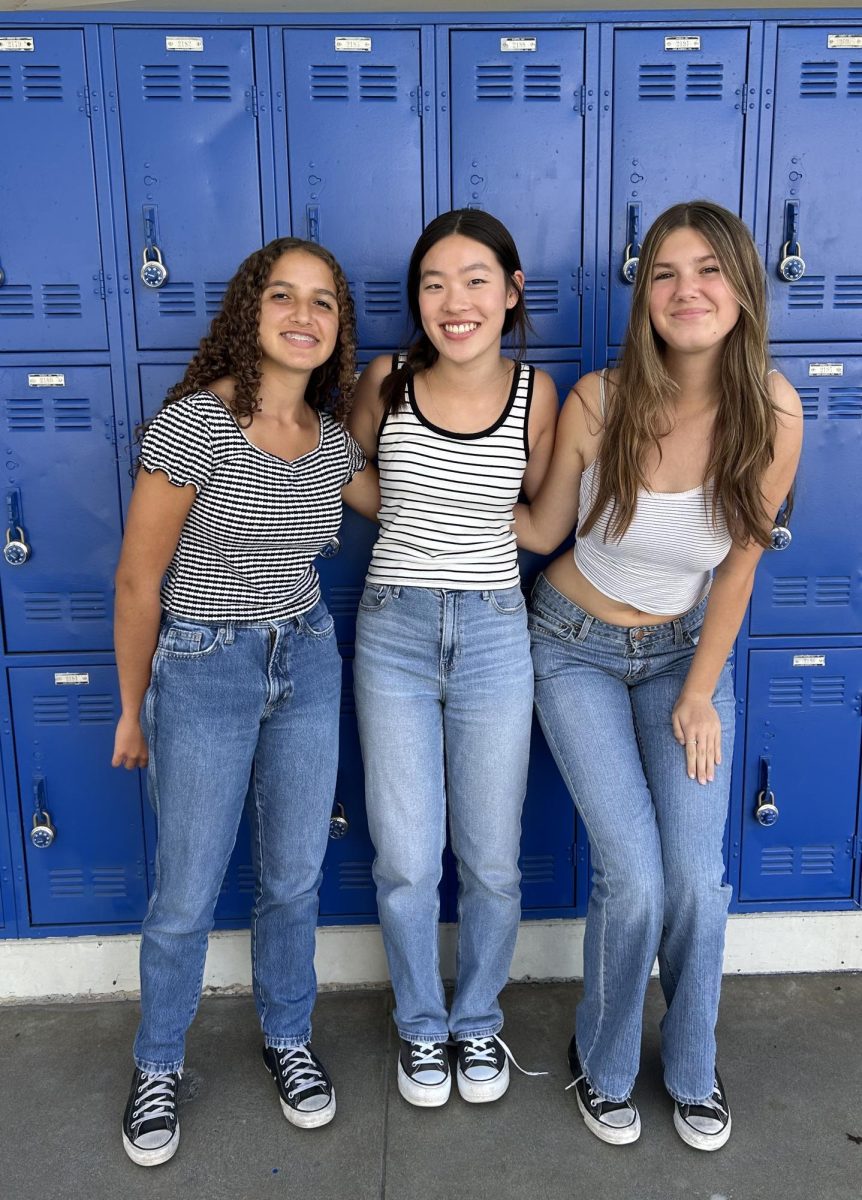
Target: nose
point(686, 285)
point(301, 311)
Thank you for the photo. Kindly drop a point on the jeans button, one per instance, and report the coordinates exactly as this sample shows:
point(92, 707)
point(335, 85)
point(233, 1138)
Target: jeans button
point(637, 636)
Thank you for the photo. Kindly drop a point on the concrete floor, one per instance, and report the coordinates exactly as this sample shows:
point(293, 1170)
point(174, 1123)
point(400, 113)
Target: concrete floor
point(790, 1055)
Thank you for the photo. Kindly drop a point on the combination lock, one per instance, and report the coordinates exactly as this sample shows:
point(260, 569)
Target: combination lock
point(16, 551)
point(338, 823)
point(780, 537)
point(629, 269)
point(791, 266)
point(331, 548)
point(153, 271)
point(766, 812)
point(43, 832)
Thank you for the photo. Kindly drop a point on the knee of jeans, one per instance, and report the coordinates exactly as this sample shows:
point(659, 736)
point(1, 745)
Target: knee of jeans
point(696, 889)
point(178, 912)
point(639, 897)
point(400, 870)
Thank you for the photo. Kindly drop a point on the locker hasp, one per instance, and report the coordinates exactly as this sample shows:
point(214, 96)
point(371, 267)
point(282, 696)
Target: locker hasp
point(43, 832)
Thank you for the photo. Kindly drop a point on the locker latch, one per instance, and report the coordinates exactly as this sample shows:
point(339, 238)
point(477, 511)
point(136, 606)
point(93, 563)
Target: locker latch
point(338, 823)
point(766, 810)
point(43, 832)
point(154, 273)
point(629, 269)
point(791, 265)
point(16, 550)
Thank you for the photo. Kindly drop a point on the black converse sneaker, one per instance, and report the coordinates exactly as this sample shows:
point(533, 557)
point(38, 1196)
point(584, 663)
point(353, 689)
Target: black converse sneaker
point(151, 1131)
point(423, 1073)
point(483, 1069)
point(614, 1121)
point(304, 1089)
point(705, 1126)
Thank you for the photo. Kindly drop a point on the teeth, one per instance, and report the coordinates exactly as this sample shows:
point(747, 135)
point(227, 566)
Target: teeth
point(304, 338)
point(466, 328)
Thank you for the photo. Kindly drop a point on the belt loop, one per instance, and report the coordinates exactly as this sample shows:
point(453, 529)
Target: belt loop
point(677, 633)
point(228, 633)
point(585, 628)
point(396, 591)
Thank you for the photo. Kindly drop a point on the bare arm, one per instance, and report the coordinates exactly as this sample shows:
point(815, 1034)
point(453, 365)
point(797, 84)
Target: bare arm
point(544, 410)
point(363, 492)
point(367, 411)
point(155, 520)
point(696, 724)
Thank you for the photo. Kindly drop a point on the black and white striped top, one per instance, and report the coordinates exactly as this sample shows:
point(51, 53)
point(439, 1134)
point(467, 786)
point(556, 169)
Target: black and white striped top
point(446, 498)
point(246, 549)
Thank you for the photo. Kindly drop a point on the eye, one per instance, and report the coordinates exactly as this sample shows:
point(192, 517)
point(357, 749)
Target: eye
point(661, 275)
point(279, 296)
point(474, 282)
point(327, 304)
point(713, 270)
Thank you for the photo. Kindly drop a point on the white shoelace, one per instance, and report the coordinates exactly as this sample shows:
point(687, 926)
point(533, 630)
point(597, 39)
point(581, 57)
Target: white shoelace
point(427, 1054)
point(299, 1070)
point(713, 1103)
point(156, 1098)
point(481, 1051)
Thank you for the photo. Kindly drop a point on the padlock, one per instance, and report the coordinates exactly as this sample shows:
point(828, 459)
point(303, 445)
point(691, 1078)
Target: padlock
point(629, 269)
point(780, 537)
point(43, 832)
point(153, 271)
point(791, 266)
point(766, 811)
point(338, 823)
point(16, 551)
point(331, 548)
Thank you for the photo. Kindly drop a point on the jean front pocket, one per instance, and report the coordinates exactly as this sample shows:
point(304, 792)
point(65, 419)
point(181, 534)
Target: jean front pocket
point(318, 622)
point(507, 601)
point(375, 596)
point(187, 639)
point(543, 624)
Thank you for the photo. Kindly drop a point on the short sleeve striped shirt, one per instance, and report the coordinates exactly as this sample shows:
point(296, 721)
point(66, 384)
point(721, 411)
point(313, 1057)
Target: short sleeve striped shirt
point(246, 550)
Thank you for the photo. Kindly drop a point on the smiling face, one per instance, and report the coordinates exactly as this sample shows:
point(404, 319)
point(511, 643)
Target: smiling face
point(690, 305)
point(298, 326)
point(464, 294)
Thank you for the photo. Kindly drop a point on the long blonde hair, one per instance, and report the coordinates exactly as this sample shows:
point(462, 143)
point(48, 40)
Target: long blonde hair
point(639, 408)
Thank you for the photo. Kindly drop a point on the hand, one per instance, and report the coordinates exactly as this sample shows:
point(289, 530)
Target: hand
point(130, 745)
point(697, 727)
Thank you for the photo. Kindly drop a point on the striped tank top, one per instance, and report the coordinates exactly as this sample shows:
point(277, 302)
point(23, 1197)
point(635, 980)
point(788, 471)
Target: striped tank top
point(664, 561)
point(446, 498)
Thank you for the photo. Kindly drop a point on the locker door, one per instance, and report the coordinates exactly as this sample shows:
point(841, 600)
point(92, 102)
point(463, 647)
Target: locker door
point(518, 152)
point(192, 177)
point(354, 140)
point(678, 133)
point(50, 294)
point(814, 586)
point(63, 483)
point(94, 872)
point(803, 724)
point(816, 183)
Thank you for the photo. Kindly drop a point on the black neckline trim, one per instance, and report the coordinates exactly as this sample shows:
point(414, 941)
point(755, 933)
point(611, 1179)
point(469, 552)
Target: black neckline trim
point(467, 437)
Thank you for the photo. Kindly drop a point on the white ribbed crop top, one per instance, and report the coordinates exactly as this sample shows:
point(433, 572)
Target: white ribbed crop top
point(663, 563)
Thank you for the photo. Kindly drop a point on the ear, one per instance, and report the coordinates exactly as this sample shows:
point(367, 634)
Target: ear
point(513, 293)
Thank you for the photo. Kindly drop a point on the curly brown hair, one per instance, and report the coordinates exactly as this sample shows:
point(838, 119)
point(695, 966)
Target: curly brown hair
point(232, 348)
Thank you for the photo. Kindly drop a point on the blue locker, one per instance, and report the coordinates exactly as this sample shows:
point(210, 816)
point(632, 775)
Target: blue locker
point(517, 134)
point(547, 834)
point(51, 292)
point(94, 872)
point(815, 585)
point(188, 113)
point(354, 134)
point(678, 134)
point(62, 489)
point(802, 744)
point(816, 184)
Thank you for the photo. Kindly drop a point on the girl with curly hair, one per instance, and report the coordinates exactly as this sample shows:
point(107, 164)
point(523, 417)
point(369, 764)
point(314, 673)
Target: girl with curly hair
point(230, 675)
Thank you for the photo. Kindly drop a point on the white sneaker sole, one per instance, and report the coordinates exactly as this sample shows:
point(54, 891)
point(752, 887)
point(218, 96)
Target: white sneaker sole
point(423, 1095)
point(700, 1141)
point(483, 1091)
point(607, 1133)
point(308, 1120)
point(152, 1158)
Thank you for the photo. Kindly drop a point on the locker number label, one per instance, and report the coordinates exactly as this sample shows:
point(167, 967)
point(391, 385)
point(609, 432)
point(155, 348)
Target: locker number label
point(52, 380)
point(353, 45)
point(13, 43)
point(70, 678)
point(844, 41)
point(809, 660)
point(184, 43)
point(510, 44)
point(688, 42)
point(826, 368)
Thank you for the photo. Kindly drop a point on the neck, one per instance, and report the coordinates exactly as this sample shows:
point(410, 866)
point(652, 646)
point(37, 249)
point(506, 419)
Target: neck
point(282, 393)
point(473, 377)
point(697, 377)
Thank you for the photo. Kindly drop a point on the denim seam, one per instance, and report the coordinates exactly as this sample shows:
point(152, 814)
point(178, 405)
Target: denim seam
point(258, 896)
point(155, 1068)
point(288, 1043)
point(483, 1032)
point(425, 1038)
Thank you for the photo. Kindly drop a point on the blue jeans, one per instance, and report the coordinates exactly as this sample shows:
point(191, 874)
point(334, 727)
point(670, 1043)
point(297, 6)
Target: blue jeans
point(237, 714)
point(604, 697)
point(444, 694)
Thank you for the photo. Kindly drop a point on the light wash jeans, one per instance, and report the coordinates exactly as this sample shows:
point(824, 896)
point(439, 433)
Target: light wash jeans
point(238, 714)
point(604, 697)
point(444, 694)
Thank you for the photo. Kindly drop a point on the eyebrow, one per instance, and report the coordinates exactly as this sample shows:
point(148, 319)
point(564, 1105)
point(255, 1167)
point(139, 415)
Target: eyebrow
point(703, 258)
point(285, 283)
point(476, 266)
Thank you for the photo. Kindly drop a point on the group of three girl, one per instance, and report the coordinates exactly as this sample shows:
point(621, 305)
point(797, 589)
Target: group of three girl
point(675, 464)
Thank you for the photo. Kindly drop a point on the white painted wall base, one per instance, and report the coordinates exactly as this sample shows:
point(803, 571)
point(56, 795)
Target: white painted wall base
point(352, 956)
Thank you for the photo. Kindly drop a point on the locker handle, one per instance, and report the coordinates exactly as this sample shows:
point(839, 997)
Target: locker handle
point(312, 222)
point(629, 269)
point(791, 265)
point(766, 810)
point(16, 550)
point(42, 833)
point(154, 273)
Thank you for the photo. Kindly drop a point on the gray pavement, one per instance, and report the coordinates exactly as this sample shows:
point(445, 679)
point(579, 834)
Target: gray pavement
point(790, 1055)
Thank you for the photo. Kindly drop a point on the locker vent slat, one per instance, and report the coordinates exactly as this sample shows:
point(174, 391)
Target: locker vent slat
point(43, 606)
point(832, 590)
point(96, 710)
point(819, 79)
point(211, 83)
point(348, 702)
point(810, 397)
point(657, 81)
point(16, 300)
point(162, 81)
point(382, 297)
point(50, 710)
point(494, 81)
point(848, 291)
point(177, 300)
point(72, 415)
point(542, 295)
point(109, 881)
point(542, 82)
point(845, 403)
point(88, 606)
point(378, 83)
point(42, 83)
point(65, 883)
point(6, 83)
point(817, 860)
point(537, 868)
point(786, 691)
point(213, 296)
point(25, 416)
point(790, 591)
point(704, 81)
point(776, 860)
point(355, 875)
point(242, 880)
point(854, 79)
point(61, 300)
point(809, 292)
point(343, 601)
point(827, 690)
point(329, 82)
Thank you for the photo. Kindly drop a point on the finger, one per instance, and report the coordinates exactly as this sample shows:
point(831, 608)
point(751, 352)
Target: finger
point(701, 759)
point(677, 730)
point(691, 757)
point(718, 748)
point(710, 759)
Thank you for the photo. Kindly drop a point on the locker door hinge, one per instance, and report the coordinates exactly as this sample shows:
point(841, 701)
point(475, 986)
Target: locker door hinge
point(102, 284)
point(853, 846)
point(744, 100)
point(580, 281)
point(255, 103)
point(88, 112)
point(111, 430)
point(582, 100)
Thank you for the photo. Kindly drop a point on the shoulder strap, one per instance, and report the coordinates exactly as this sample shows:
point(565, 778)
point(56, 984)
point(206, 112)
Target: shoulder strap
point(603, 374)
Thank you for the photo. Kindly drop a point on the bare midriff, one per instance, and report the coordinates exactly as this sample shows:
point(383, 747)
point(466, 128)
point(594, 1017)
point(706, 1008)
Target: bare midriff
point(563, 574)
